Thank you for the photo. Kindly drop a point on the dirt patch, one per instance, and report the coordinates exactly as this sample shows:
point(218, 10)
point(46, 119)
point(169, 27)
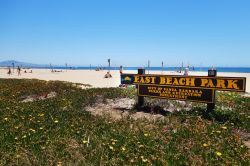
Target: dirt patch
point(245, 136)
point(32, 98)
point(118, 109)
point(115, 109)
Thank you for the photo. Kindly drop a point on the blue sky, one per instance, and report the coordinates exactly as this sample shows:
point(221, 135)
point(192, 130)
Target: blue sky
point(130, 32)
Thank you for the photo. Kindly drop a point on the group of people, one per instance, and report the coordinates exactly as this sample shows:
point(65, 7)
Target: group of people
point(108, 75)
point(18, 71)
point(186, 71)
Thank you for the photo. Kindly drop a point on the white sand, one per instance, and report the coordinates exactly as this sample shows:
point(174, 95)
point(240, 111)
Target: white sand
point(96, 78)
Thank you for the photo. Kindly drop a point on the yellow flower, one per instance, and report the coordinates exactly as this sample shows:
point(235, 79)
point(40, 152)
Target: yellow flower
point(111, 148)
point(146, 134)
point(32, 130)
point(56, 121)
point(59, 163)
point(24, 136)
point(218, 153)
point(141, 146)
point(16, 138)
point(205, 145)
point(5, 119)
point(123, 148)
point(41, 128)
point(84, 141)
point(113, 143)
point(242, 146)
point(224, 127)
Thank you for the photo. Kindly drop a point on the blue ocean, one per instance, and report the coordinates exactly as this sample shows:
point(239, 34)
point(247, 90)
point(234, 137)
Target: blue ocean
point(219, 69)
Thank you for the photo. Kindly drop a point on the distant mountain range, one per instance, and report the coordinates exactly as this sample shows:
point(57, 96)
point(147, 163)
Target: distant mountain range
point(21, 64)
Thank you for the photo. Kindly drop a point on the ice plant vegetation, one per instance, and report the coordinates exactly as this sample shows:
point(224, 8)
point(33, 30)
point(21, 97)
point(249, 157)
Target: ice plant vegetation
point(59, 131)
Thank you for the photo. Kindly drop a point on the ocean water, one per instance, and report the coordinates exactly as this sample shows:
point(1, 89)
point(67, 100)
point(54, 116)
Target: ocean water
point(219, 69)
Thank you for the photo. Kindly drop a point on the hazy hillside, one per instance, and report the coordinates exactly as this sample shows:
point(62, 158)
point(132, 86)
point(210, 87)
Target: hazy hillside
point(17, 63)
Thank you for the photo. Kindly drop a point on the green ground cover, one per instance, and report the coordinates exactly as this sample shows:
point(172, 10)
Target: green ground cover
point(58, 130)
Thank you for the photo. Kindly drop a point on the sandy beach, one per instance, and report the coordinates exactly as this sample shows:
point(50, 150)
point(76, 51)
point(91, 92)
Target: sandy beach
point(96, 78)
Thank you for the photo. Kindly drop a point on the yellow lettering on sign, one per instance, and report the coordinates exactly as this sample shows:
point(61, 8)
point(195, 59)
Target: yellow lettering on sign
point(204, 82)
point(207, 83)
point(190, 81)
point(136, 79)
point(142, 80)
point(176, 82)
point(153, 80)
point(232, 84)
point(169, 80)
point(162, 80)
point(210, 83)
point(147, 80)
point(221, 84)
point(182, 81)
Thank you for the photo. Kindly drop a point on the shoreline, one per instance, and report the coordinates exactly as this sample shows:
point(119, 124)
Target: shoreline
point(96, 78)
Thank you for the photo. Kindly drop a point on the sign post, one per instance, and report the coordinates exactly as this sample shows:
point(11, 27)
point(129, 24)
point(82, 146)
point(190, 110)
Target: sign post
point(211, 106)
point(140, 98)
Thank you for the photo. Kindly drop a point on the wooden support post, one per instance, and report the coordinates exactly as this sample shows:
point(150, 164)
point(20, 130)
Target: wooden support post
point(211, 106)
point(141, 98)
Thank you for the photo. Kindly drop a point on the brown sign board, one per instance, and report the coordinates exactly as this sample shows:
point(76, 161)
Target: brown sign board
point(176, 93)
point(237, 84)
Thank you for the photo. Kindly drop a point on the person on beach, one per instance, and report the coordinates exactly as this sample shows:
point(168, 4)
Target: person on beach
point(121, 69)
point(108, 75)
point(186, 71)
point(9, 71)
point(19, 71)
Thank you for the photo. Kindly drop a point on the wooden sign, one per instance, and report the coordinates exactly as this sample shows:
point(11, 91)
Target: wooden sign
point(176, 87)
point(176, 93)
point(237, 84)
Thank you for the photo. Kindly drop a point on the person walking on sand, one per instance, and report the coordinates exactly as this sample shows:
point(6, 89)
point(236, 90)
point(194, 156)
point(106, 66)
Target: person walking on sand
point(19, 71)
point(186, 71)
point(9, 71)
point(121, 68)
